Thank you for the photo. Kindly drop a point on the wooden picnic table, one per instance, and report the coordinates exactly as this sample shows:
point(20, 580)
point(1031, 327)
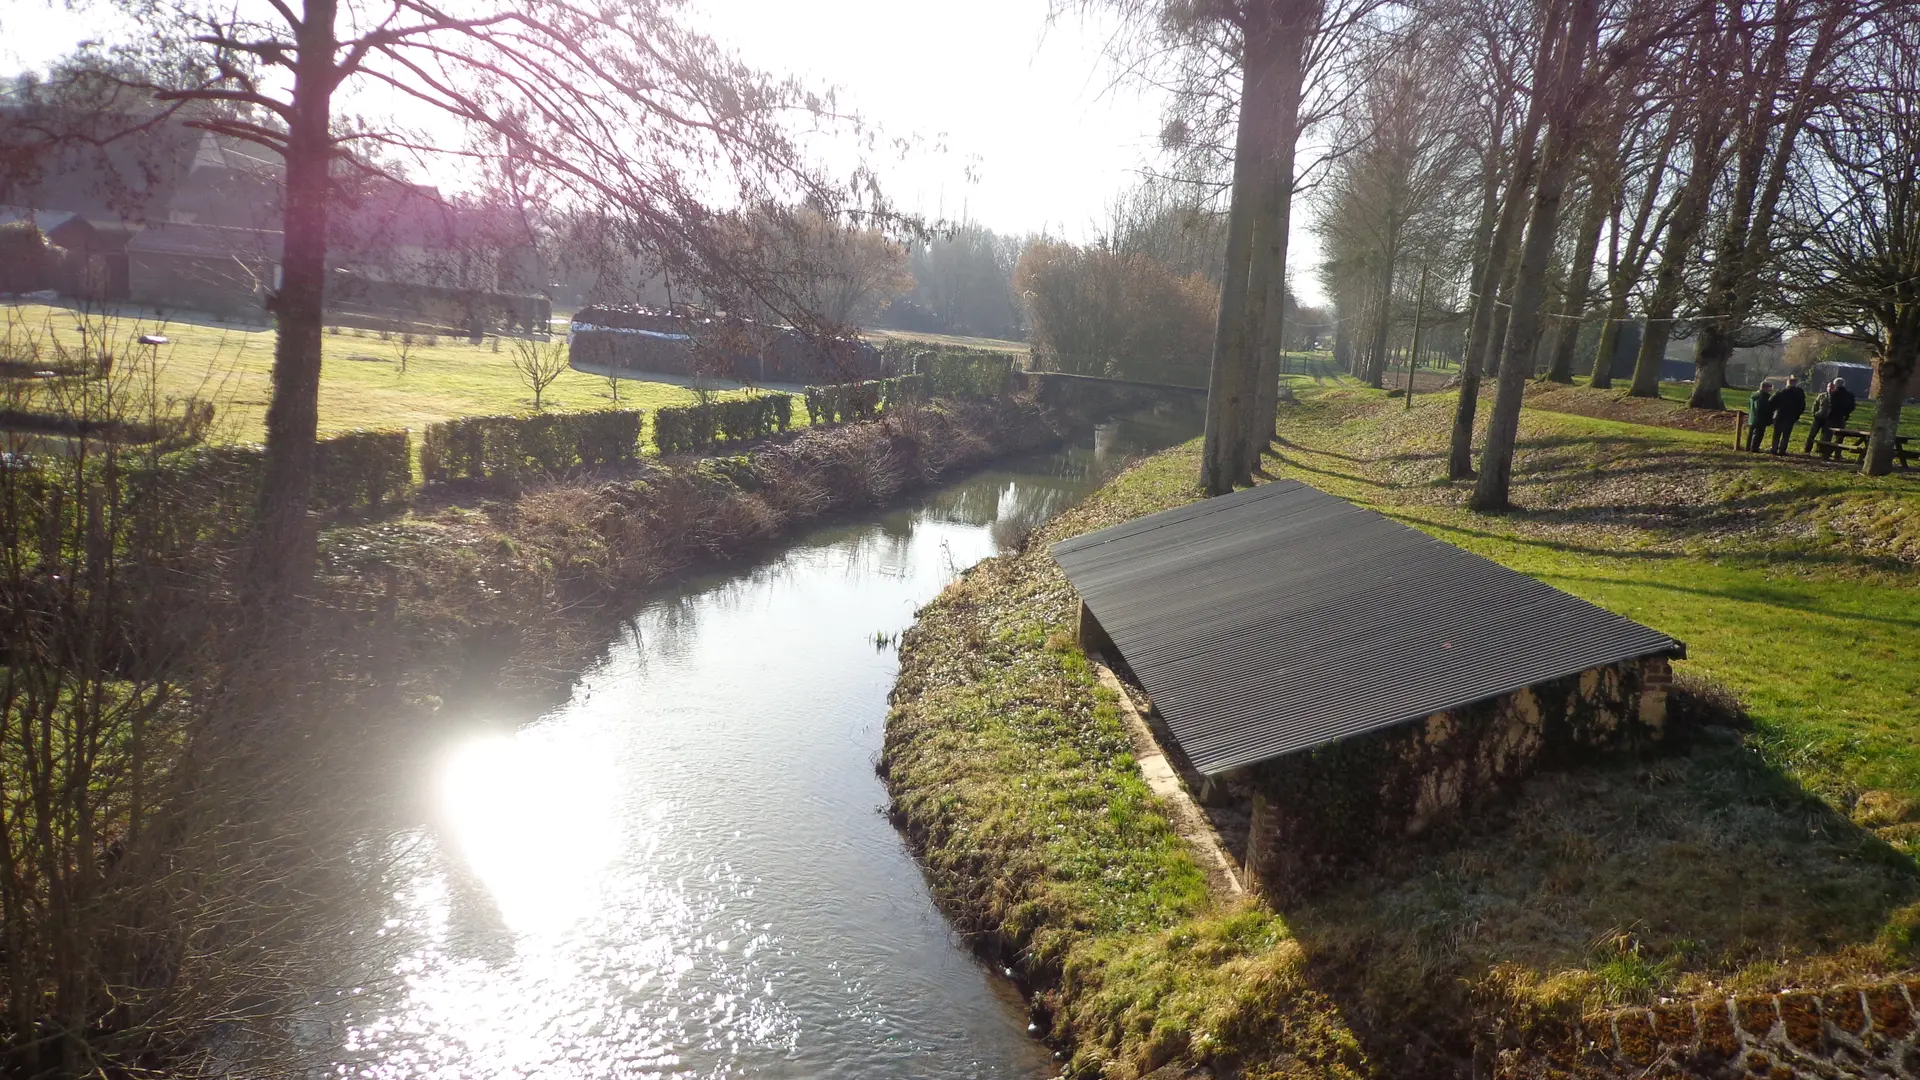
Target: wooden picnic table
point(1853, 441)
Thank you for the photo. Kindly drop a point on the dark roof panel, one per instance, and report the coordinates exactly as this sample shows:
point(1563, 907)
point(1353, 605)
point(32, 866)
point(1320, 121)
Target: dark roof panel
point(1281, 618)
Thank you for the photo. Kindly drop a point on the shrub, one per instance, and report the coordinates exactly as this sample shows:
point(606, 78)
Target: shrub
point(952, 371)
point(362, 468)
point(686, 429)
point(352, 470)
point(506, 447)
point(964, 373)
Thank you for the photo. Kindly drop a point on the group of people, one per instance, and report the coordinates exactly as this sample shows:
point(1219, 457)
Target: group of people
point(1781, 411)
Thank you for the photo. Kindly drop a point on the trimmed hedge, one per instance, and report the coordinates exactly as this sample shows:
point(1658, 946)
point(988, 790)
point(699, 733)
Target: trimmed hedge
point(943, 372)
point(952, 371)
point(505, 447)
point(351, 470)
point(958, 373)
point(687, 429)
point(844, 402)
point(362, 468)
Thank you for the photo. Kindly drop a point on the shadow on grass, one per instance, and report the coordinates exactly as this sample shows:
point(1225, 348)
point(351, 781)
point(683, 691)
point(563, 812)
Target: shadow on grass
point(1440, 527)
point(1610, 884)
point(1786, 599)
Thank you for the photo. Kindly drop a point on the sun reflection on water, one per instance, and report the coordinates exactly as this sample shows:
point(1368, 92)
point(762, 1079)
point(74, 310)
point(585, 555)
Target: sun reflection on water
point(681, 873)
point(535, 821)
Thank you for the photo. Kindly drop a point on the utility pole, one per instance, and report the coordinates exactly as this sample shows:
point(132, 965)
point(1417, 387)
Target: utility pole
point(1413, 351)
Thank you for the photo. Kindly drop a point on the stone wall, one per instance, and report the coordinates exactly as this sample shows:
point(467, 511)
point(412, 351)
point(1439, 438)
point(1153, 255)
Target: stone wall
point(1317, 810)
point(1798, 1035)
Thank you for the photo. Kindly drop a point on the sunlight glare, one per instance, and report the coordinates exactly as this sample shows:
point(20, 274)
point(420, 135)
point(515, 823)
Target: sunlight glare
point(535, 822)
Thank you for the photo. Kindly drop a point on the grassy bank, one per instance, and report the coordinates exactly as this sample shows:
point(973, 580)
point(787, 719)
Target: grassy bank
point(1764, 860)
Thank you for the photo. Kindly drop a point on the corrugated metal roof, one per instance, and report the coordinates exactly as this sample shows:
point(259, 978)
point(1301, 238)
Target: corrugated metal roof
point(1281, 618)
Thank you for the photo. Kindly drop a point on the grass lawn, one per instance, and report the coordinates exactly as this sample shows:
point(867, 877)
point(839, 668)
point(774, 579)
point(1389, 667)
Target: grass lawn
point(1782, 858)
point(1791, 581)
point(1736, 398)
point(881, 337)
point(361, 383)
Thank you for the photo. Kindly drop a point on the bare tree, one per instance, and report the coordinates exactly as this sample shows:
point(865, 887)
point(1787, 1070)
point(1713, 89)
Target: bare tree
point(637, 113)
point(835, 275)
point(1707, 99)
point(539, 363)
point(1249, 75)
point(1391, 192)
point(1642, 176)
point(1855, 270)
point(1773, 108)
point(1502, 41)
point(1562, 83)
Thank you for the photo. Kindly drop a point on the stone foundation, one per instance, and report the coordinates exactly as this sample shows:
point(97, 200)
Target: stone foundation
point(1798, 1035)
point(1317, 810)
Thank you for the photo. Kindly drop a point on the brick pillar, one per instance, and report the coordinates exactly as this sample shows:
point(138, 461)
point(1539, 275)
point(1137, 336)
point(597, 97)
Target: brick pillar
point(1656, 678)
point(1261, 856)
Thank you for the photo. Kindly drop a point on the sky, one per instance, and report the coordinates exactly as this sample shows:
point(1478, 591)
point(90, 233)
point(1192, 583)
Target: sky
point(1019, 121)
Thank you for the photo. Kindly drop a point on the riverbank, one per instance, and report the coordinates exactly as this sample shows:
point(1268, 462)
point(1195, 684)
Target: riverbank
point(1760, 860)
point(496, 594)
point(273, 762)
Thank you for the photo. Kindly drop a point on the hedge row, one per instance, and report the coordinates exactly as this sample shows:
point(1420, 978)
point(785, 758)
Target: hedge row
point(844, 402)
point(363, 468)
point(351, 470)
point(952, 371)
point(504, 447)
point(941, 372)
point(685, 429)
point(963, 373)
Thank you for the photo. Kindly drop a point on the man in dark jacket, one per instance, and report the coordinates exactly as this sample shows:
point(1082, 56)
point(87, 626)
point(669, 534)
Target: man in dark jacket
point(1843, 402)
point(1759, 415)
point(1788, 404)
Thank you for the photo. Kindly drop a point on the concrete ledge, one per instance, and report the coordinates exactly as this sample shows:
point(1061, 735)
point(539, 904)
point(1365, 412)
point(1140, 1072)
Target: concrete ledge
point(1223, 877)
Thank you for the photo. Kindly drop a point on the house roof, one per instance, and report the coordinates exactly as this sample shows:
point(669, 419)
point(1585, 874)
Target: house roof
point(204, 241)
point(45, 220)
point(1280, 618)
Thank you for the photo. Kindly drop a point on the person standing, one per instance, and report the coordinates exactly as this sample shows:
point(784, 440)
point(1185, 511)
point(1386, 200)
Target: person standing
point(1759, 415)
point(1788, 404)
point(1843, 403)
point(1822, 420)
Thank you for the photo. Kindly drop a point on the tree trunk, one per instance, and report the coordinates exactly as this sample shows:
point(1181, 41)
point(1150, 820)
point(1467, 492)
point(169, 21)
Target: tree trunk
point(1226, 414)
point(1711, 350)
point(1573, 309)
point(1270, 248)
point(1609, 337)
point(1493, 272)
point(1530, 290)
point(1893, 374)
point(1689, 218)
point(282, 558)
point(1383, 319)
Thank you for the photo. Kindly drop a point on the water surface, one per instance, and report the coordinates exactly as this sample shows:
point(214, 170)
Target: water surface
point(685, 870)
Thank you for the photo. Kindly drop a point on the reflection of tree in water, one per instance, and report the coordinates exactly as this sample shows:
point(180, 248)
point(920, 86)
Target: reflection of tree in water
point(976, 502)
point(668, 628)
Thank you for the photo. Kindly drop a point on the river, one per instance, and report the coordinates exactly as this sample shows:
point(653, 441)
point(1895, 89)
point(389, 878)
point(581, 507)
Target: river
point(685, 870)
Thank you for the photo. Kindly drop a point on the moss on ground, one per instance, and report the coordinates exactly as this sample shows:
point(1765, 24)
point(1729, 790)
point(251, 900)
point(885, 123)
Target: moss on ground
point(1763, 860)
